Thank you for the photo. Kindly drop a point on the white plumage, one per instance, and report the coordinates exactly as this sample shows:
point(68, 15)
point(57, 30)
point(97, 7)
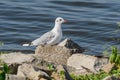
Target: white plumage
point(52, 37)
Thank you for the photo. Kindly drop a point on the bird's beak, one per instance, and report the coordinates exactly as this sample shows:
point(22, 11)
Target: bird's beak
point(65, 21)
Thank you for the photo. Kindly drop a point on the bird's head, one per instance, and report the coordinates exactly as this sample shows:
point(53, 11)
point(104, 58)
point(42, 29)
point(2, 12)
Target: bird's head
point(60, 20)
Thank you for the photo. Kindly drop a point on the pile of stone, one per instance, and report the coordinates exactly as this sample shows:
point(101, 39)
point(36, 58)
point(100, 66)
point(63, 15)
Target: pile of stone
point(49, 61)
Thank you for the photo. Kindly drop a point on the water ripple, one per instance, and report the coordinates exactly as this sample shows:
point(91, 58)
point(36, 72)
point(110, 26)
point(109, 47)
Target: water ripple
point(90, 23)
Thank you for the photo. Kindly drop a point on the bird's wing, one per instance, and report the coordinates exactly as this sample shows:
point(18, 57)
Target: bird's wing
point(44, 39)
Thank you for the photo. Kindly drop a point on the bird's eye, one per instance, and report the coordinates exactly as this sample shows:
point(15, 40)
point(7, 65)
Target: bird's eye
point(60, 19)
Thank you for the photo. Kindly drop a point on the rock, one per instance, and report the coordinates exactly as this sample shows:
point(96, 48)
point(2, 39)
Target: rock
point(56, 76)
point(60, 68)
point(78, 72)
point(111, 78)
point(43, 79)
point(30, 72)
point(13, 60)
point(100, 62)
point(58, 53)
point(16, 57)
point(86, 63)
point(14, 77)
point(53, 54)
point(108, 67)
point(40, 63)
point(63, 71)
point(13, 68)
point(81, 61)
point(68, 43)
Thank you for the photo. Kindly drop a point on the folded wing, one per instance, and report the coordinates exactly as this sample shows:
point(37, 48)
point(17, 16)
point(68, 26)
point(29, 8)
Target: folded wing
point(44, 39)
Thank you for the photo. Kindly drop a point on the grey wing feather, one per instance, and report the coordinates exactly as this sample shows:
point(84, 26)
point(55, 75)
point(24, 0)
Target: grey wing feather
point(44, 39)
point(47, 37)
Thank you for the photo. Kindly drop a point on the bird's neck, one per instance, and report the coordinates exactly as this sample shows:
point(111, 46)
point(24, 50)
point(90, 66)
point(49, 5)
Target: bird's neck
point(57, 28)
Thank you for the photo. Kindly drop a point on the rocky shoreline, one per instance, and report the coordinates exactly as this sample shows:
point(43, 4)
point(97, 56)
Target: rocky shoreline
point(48, 61)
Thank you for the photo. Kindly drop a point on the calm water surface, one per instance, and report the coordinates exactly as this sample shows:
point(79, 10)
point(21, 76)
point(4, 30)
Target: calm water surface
point(91, 23)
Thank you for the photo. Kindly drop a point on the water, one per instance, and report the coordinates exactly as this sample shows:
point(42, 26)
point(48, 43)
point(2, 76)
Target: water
point(91, 23)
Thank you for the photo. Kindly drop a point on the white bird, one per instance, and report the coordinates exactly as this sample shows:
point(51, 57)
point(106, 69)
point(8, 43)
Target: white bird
point(52, 37)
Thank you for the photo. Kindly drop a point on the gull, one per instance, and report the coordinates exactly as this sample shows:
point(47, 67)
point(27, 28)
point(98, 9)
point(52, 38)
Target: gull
point(52, 37)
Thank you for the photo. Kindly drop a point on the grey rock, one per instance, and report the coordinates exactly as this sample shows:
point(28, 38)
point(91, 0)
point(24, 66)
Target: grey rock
point(13, 60)
point(100, 62)
point(79, 61)
point(16, 57)
point(85, 64)
point(68, 43)
point(40, 63)
point(14, 77)
point(53, 54)
point(60, 68)
point(108, 67)
point(43, 79)
point(30, 72)
point(111, 78)
point(60, 73)
point(58, 53)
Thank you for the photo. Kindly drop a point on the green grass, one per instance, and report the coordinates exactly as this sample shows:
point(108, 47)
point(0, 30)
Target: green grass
point(62, 74)
point(3, 71)
point(50, 67)
point(113, 58)
point(99, 76)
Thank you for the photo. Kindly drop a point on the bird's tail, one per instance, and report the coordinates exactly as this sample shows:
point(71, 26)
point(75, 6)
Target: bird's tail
point(26, 44)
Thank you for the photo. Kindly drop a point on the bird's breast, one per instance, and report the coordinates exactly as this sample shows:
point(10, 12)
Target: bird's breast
point(59, 37)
